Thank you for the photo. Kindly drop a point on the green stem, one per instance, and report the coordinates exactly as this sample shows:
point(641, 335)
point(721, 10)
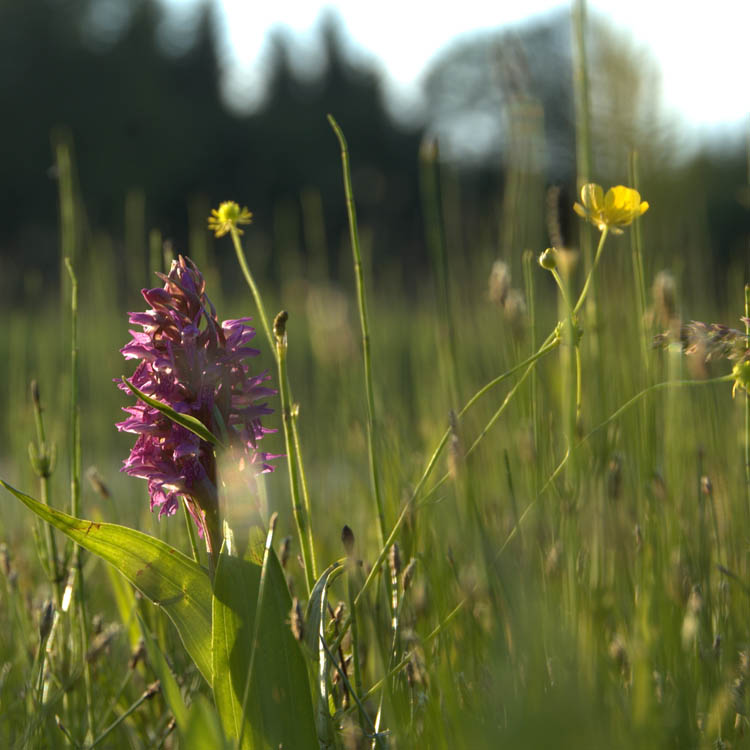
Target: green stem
point(354, 237)
point(75, 490)
point(587, 284)
point(253, 288)
point(350, 586)
point(191, 533)
point(305, 491)
point(429, 173)
point(301, 517)
point(572, 416)
point(148, 693)
point(584, 157)
point(529, 265)
point(45, 457)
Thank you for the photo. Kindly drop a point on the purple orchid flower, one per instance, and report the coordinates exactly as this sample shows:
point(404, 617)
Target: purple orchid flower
point(193, 363)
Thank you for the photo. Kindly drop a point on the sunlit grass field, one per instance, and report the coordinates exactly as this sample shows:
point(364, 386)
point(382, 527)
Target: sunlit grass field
point(578, 580)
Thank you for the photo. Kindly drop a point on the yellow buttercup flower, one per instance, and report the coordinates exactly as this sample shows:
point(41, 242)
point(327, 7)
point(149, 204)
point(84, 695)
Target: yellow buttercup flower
point(227, 217)
point(616, 209)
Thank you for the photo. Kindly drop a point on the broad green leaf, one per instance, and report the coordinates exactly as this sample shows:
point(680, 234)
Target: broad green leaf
point(186, 420)
point(279, 704)
point(162, 573)
point(169, 687)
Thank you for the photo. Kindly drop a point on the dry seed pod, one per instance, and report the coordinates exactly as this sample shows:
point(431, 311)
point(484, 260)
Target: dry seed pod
point(297, 620)
point(394, 560)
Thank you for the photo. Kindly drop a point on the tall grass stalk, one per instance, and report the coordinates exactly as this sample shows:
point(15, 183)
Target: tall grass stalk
point(584, 156)
point(43, 460)
point(301, 513)
point(75, 496)
point(429, 173)
point(362, 303)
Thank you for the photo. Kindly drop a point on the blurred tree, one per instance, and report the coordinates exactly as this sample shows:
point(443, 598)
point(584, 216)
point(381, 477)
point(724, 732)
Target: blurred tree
point(147, 119)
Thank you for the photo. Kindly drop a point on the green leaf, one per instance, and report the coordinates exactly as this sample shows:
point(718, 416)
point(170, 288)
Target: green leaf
point(169, 687)
point(162, 573)
point(187, 421)
point(316, 605)
point(315, 620)
point(279, 704)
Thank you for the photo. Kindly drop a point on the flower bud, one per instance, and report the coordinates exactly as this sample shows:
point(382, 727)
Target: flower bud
point(548, 259)
point(347, 539)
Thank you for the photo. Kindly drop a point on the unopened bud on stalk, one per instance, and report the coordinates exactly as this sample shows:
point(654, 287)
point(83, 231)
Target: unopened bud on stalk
point(347, 539)
point(548, 259)
point(47, 618)
point(279, 327)
point(296, 620)
point(286, 543)
point(35, 395)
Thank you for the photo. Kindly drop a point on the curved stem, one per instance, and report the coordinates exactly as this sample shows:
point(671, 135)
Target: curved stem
point(587, 283)
point(253, 288)
point(361, 299)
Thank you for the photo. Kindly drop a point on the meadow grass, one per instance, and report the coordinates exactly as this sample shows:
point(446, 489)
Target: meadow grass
point(574, 580)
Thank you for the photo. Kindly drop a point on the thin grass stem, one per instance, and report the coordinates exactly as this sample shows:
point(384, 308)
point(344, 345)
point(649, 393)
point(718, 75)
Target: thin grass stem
point(362, 302)
point(191, 533)
point(253, 287)
point(148, 693)
point(301, 517)
point(75, 493)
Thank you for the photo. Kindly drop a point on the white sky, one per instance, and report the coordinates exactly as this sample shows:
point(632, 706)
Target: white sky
point(701, 47)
